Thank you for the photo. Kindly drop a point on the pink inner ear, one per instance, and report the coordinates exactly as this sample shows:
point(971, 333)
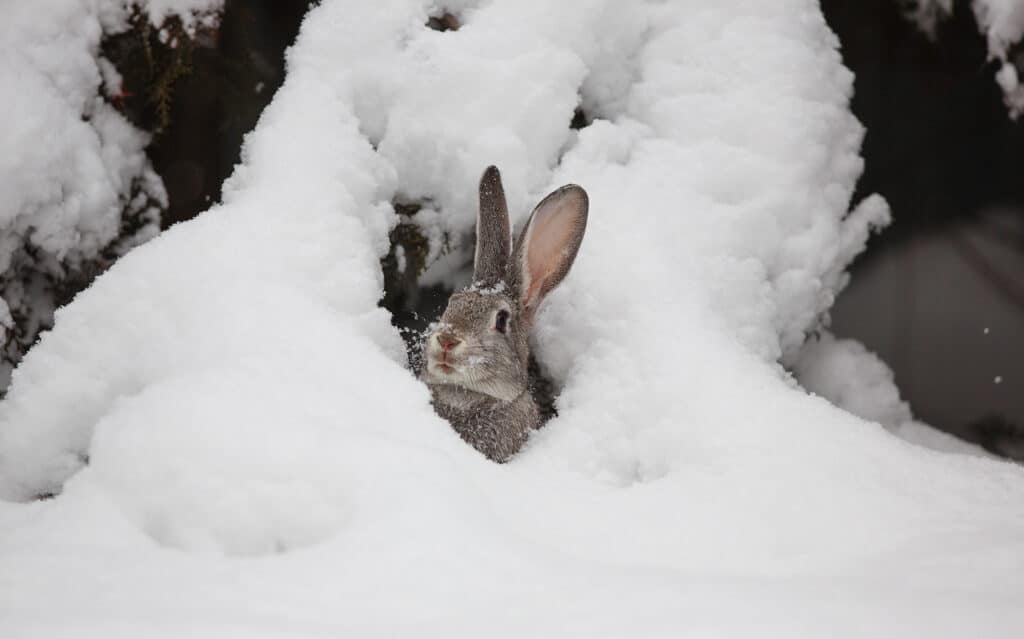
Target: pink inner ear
point(551, 235)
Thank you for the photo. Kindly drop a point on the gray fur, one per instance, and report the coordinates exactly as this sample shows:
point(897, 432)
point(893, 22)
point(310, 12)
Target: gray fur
point(481, 385)
point(493, 237)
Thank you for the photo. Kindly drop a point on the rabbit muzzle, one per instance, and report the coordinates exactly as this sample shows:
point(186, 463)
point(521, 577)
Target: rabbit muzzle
point(446, 353)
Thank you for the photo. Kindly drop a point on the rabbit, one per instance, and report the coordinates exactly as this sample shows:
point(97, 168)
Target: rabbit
point(476, 356)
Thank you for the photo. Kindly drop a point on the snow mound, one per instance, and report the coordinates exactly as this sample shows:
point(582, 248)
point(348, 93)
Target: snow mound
point(853, 378)
point(251, 399)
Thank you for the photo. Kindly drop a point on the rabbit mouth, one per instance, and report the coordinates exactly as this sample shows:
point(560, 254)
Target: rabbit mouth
point(443, 363)
point(469, 372)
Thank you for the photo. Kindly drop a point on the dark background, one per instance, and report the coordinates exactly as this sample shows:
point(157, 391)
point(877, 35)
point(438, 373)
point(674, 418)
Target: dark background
point(940, 294)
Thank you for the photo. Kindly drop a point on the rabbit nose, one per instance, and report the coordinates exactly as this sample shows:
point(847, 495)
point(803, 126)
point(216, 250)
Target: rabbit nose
point(448, 341)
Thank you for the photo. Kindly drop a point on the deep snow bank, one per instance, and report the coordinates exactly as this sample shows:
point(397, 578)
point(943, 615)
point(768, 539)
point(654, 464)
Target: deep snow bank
point(252, 400)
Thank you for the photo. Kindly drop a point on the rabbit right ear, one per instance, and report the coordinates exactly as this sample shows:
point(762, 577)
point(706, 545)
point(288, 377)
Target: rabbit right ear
point(548, 246)
point(493, 237)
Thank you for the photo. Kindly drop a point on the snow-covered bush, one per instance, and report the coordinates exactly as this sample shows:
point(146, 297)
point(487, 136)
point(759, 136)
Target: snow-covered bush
point(254, 400)
point(78, 189)
point(1002, 24)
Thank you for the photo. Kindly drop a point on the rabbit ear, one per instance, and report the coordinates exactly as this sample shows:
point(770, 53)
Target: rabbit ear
point(493, 238)
point(548, 245)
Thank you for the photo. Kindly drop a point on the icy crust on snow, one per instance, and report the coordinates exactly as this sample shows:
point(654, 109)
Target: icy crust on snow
point(249, 397)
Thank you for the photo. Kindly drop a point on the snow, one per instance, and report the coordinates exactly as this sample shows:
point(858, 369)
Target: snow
point(850, 376)
point(240, 451)
point(73, 167)
point(64, 182)
point(844, 372)
point(927, 14)
point(1002, 22)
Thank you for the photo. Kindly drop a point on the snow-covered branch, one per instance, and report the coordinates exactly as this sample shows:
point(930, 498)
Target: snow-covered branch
point(1001, 22)
point(78, 189)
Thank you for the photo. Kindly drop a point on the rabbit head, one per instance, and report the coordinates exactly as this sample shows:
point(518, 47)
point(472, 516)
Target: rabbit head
point(480, 343)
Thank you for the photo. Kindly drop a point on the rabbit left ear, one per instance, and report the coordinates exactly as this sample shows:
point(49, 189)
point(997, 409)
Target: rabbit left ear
point(548, 246)
point(493, 237)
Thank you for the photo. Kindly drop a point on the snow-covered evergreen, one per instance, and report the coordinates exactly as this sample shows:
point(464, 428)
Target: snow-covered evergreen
point(78, 188)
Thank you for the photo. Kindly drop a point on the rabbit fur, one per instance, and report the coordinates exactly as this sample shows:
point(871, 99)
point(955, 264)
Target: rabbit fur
point(477, 354)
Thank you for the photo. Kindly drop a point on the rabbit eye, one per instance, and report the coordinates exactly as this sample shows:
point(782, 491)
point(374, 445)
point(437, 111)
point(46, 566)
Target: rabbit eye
point(501, 321)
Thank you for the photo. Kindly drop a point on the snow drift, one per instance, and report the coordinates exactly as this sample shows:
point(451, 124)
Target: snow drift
point(252, 399)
